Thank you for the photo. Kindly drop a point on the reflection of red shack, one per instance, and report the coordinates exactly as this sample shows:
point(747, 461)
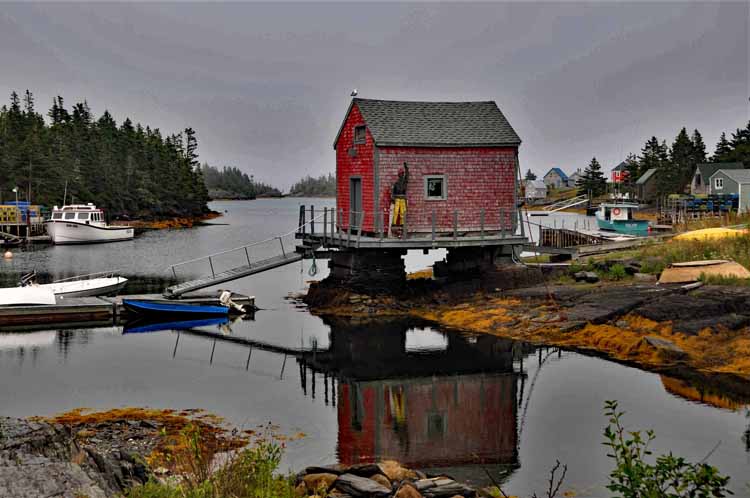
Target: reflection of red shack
point(431, 421)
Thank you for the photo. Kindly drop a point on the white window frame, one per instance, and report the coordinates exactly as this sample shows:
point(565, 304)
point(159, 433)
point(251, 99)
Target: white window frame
point(441, 177)
point(718, 183)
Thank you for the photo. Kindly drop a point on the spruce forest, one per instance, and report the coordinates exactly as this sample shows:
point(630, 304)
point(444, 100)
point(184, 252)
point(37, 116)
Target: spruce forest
point(128, 169)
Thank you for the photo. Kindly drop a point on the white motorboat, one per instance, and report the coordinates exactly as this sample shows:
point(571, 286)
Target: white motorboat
point(95, 284)
point(83, 224)
point(21, 296)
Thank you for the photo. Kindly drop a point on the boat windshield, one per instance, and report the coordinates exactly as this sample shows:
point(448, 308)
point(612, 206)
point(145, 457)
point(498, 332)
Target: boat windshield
point(83, 216)
point(56, 216)
point(70, 216)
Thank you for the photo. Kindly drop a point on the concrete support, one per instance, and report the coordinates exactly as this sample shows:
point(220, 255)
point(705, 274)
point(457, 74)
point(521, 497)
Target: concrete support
point(471, 262)
point(368, 271)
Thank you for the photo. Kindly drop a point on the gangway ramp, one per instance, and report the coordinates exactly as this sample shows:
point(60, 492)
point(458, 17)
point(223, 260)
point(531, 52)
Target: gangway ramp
point(246, 262)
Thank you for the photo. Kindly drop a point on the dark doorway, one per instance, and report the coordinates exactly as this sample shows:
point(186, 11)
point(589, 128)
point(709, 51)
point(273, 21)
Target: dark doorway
point(355, 202)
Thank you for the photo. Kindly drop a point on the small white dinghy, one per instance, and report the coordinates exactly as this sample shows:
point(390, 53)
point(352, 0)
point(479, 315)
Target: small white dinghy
point(94, 284)
point(21, 296)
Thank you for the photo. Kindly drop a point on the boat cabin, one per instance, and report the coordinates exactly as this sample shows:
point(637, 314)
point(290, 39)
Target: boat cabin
point(617, 212)
point(79, 213)
point(461, 158)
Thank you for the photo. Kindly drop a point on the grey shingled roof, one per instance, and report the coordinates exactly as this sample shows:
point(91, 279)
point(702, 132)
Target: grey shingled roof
point(645, 176)
point(708, 169)
point(739, 175)
point(435, 124)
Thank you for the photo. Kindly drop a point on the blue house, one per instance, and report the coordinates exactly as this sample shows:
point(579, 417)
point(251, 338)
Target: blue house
point(556, 178)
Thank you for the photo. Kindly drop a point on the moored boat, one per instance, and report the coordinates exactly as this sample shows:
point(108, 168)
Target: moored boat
point(21, 296)
point(83, 224)
point(94, 284)
point(618, 217)
point(163, 308)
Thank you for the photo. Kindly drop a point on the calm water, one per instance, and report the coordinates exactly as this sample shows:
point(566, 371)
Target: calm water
point(399, 389)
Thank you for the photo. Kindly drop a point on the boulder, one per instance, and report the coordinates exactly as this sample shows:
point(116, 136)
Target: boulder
point(586, 276)
point(381, 479)
point(407, 491)
point(424, 484)
point(325, 469)
point(449, 490)
point(395, 472)
point(317, 482)
point(644, 277)
point(666, 346)
point(357, 486)
point(363, 470)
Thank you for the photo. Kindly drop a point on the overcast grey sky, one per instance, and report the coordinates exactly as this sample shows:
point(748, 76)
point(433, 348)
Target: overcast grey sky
point(266, 85)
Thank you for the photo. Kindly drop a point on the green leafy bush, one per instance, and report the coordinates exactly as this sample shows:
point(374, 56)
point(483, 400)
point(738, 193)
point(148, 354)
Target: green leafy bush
point(617, 272)
point(668, 477)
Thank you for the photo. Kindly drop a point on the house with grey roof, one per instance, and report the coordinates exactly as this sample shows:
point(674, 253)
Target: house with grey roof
point(732, 181)
point(556, 178)
point(645, 186)
point(459, 160)
point(573, 179)
point(536, 190)
point(704, 171)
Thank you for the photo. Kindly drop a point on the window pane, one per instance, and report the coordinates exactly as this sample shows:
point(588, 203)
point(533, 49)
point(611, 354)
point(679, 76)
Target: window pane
point(435, 187)
point(70, 216)
point(83, 216)
point(57, 216)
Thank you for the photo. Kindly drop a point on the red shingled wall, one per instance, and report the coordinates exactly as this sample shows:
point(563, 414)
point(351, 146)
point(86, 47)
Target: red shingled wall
point(360, 164)
point(477, 177)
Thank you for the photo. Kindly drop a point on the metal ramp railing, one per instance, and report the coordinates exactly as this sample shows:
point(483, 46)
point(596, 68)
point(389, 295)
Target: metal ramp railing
point(245, 262)
point(566, 203)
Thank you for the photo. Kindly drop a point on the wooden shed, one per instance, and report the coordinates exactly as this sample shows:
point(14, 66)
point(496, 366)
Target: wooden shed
point(462, 159)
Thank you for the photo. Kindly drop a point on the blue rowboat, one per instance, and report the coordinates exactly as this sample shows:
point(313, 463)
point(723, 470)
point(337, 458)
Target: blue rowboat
point(143, 325)
point(161, 308)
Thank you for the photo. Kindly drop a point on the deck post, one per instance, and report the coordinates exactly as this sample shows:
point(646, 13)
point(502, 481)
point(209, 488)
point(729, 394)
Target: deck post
point(433, 224)
point(381, 217)
point(325, 224)
point(502, 222)
point(339, 220)
point(359, 227)
point(404, 226)
point(333, 215)
point(481, 226)
point(312, 219)
point(302, 222)
point(212, 266)
point(455, 224)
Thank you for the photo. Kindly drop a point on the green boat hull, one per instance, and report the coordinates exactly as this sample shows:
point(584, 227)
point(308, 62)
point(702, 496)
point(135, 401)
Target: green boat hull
point(628, 227)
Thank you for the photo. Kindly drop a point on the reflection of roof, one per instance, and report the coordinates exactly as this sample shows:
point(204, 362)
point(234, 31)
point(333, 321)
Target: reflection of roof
point(399, 123)
point(646, 176)
point(557, 170)
point(707, 170)
point(620, 167)
point(738, 175)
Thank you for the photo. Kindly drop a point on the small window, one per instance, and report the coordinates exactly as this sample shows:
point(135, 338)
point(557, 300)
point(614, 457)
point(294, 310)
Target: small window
point(83, 216)
point(70, 216)
point(718, 183)
point(435, 188)
point(57, 216)
point(360, 134)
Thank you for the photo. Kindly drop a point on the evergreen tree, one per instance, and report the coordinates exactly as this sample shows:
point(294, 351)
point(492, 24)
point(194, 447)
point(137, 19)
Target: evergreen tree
point(530, 176)
point(723, 149)
point(633, 171)
point(699, 148)
point(592, 181)
point(682, 163)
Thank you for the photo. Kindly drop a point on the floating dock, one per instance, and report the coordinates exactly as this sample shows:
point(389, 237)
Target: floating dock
point(85, 310)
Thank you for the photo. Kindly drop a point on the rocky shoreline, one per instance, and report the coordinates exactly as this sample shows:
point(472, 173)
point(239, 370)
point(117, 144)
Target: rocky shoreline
point(41, 457)
point(656, 327)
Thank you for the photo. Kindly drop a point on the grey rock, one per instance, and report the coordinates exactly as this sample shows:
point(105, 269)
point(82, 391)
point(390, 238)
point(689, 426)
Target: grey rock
point(586, 276)
point(665, 345)
point(449, 490)
point(360, 486)
point(644, 277)
point(424, 484)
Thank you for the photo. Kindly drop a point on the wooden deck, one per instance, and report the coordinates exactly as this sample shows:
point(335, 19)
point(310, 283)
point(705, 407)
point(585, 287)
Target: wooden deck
point(348, 240)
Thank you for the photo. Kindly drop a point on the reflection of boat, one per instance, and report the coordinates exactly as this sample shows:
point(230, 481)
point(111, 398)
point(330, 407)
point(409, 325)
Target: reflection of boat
point(618, 217)
point(95, 284)
point(154, 326)
point(169, 309)
point(26, 295)
point(83, 224)
point(10, 341)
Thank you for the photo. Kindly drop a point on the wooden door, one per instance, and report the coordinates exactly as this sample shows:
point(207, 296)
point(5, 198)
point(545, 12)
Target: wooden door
point(355, 202)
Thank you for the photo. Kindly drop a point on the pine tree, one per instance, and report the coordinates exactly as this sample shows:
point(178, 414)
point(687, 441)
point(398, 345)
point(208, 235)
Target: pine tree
point(592, 181)
point(723, 149)
point(682, 163)
point(633, 171)
point(530, 176)
point(699, 148)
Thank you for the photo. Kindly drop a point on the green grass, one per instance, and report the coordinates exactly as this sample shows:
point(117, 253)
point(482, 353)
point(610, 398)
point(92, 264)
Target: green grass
point(248, 473)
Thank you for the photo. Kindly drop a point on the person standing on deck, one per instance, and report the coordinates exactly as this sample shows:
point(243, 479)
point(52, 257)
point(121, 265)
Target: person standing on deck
point(398, 197)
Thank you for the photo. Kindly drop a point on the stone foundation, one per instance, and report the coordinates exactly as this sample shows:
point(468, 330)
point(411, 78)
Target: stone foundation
point(371, 271)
